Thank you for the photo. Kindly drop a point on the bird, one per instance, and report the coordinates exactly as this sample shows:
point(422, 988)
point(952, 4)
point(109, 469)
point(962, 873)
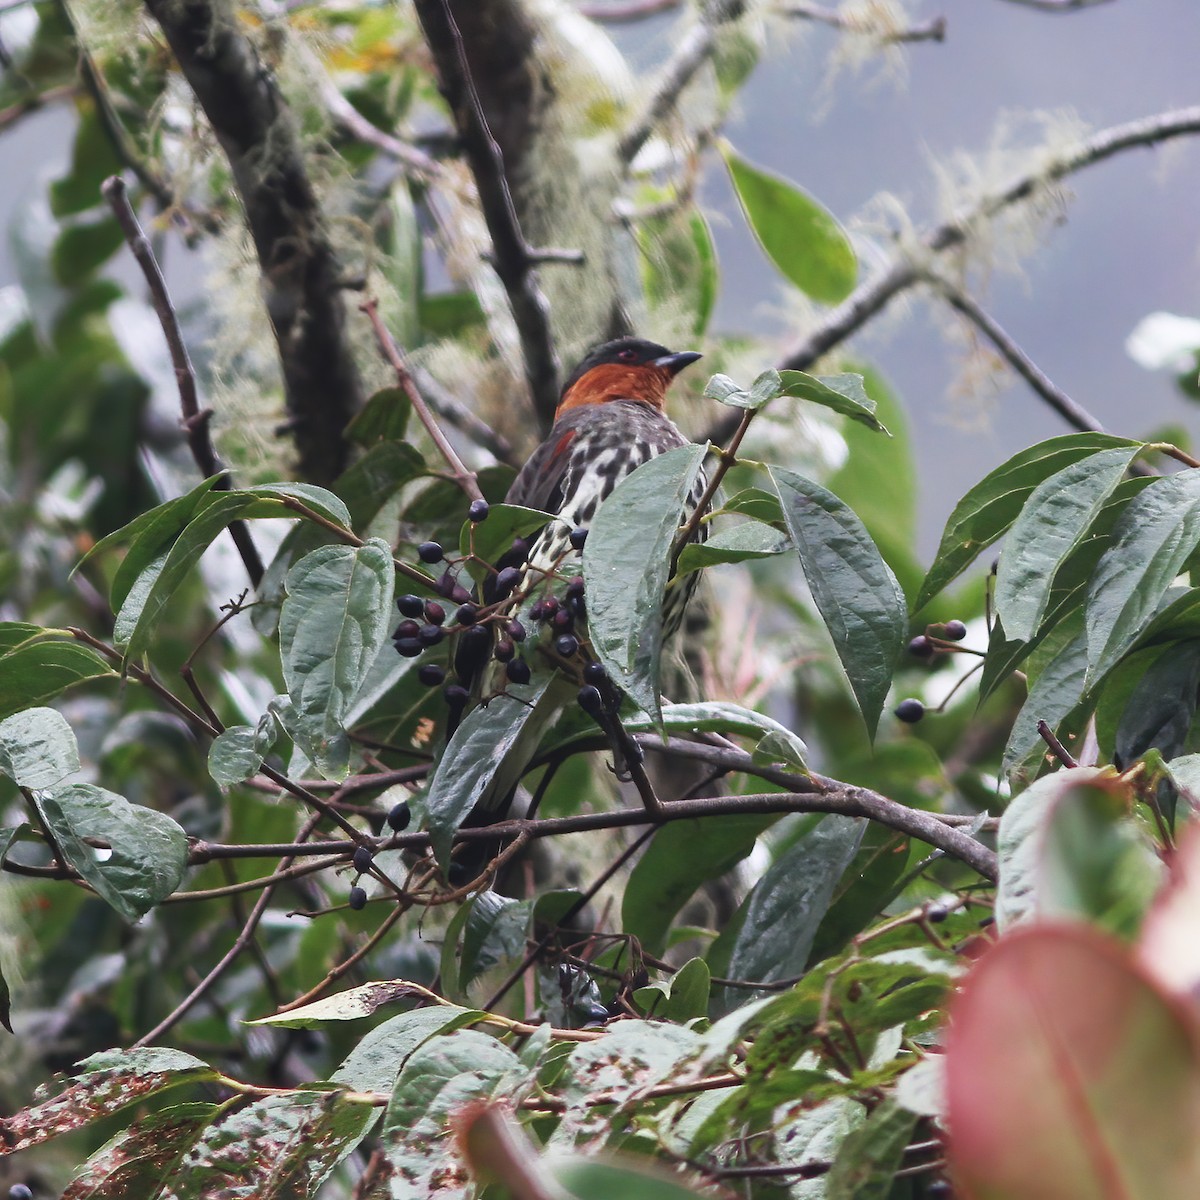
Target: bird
point(611, 418)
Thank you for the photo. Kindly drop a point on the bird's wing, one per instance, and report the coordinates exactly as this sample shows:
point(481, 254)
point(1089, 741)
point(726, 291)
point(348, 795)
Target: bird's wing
point(540, 483)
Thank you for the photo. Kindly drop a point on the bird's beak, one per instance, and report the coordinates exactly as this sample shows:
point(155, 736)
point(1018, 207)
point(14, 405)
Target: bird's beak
point(676, 362)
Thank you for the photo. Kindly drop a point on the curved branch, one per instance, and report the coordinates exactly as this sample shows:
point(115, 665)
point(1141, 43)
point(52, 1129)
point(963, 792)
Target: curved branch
point(874, 294)
point(299, 272)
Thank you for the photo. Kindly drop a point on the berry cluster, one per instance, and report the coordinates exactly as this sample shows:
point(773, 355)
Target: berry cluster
point(483, 628)
point(937, 639)
point(398, 819)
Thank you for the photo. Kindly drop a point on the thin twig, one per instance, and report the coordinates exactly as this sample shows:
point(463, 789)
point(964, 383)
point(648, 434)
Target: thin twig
point(695, 49)
point(1059, 751)
point(1059, 6)
point(875, 293)
point(195, 420)
point(1071, 412)
point(577, 907)
point(31, 104)
point(636, 10)
point(513, 260)
point(933, 30)
point(727, 459)
point(239, 944)
point(462, 476)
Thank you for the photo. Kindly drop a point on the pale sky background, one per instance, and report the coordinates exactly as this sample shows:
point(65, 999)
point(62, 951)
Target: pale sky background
point(1130, 244)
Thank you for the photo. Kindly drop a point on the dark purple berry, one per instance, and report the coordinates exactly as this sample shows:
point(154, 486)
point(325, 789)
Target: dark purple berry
point(519, 549)
point(459, 594)
point(550, 606)
point(406, 629)
point(954, 631)
point(578, 537)
point(363, 858)
point(564, 621)
point(538, 612)
point(435, 614)
point(516, 630)
point(518, 671)
point(505, 650)
point(408, 647)
point(431, 675)
point(920, 647)
point(399, 817)
point(455, 695)
point(506, 580)
point(467, 614)
point(20, 1191)
point(430, 635)
point(478, 511)
point(910, 711)
point(567, 645)
point(575, 585)
point(595, 673)
point(590, 700)
point(445, 585)
point(474, 649)
point(357, 898)
point(410, 605)
point(430, 552)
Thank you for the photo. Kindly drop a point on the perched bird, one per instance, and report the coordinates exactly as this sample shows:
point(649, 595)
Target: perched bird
point(610, 420)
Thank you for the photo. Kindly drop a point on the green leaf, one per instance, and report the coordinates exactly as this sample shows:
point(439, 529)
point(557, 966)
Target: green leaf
point(238, 751)
point(351, 1005)
point(879, 481)
point(383, 418)
point(844, 394)
point(853, 588)
point(495, 932)
point(679, 263)
point(148, 851)
point(104, 1084)
point(145, 1159)
point(681, 998)
point(1053, 521)
point(82, 246)
point(148, 536)
point(376, 477)
point(474, 757)
point(1160, 709)
point(992, 505)
point(719, 716)
point(449, 314)
point(681, 857)
point(1068, 594)
point(866, 888)
point(1066, 850)
point(786, 907)
point(1152, 540)
point(440, 1078)
point(756, 503)
point(869, 1158)
point(40, 671)
point(626, 561)
point(738, 543)
point(589, 1178)
point(799, 236)
point(766, 387)
point(332, 624)
point(1055, 695)
point(37, 748)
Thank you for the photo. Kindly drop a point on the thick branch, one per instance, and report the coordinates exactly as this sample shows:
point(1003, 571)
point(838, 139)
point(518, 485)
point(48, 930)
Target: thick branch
point(503, 34)
point(299, 273)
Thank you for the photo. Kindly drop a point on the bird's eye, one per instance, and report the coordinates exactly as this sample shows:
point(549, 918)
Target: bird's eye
point(628, 356)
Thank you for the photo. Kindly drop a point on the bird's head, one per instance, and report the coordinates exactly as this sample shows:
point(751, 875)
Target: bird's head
point(625, 369)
